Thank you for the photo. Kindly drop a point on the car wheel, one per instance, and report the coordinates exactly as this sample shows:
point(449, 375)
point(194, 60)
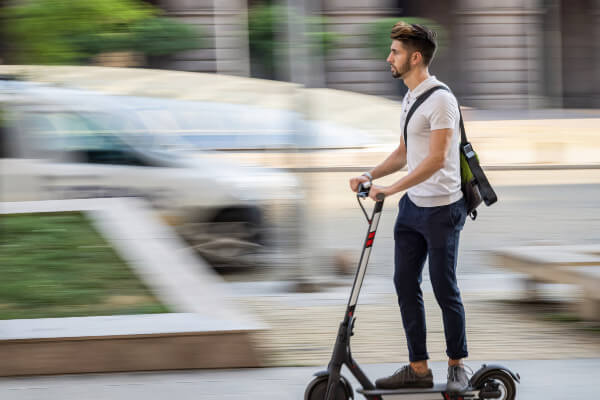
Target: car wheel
point(233, 238)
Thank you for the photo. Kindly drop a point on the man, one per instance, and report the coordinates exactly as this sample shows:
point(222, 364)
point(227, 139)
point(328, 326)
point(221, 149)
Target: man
point(431, 213)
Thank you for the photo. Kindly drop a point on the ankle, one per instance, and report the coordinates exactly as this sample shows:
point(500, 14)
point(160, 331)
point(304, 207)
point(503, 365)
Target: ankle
point(420, 367)
point(453, 363)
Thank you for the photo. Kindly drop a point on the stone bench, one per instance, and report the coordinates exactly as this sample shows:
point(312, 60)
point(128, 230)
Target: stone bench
point(123, 343)
point(577, 265)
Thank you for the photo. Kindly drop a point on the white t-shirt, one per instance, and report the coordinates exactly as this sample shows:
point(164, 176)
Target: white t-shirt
point(439, 111)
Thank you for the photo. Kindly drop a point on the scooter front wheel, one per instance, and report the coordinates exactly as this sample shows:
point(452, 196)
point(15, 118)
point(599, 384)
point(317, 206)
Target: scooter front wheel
point(317, 389)
point(497, 385)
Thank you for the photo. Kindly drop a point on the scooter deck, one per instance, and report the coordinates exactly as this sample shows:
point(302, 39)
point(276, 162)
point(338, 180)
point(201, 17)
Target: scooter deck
point(433, 393)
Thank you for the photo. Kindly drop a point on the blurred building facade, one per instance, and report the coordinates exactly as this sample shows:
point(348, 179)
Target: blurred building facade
point(500, 54)
point(508, 54)
point(225, 24)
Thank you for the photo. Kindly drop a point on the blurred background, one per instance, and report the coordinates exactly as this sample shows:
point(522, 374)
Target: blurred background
point(240, 122)
point(514, 54)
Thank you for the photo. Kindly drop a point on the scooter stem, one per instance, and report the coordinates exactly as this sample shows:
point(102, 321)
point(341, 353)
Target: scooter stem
point(341, 351)
point(364, 257)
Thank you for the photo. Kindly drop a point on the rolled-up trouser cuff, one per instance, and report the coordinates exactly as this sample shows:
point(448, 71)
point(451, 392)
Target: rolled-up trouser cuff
point(457, 356)
point(418, 357)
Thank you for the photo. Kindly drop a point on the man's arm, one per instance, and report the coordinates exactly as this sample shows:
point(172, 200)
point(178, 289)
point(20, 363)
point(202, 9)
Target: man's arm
point(439, 141)
point(394, 162)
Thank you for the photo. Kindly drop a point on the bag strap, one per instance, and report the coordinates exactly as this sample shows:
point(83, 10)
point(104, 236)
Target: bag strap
point(420, 100)
point(487, 193)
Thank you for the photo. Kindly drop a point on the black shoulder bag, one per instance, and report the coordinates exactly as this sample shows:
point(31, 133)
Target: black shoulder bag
point(474, 184)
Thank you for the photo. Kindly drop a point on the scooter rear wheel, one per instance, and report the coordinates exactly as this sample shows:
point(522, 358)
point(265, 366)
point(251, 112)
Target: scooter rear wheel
point(317, 389)
point(498, 381)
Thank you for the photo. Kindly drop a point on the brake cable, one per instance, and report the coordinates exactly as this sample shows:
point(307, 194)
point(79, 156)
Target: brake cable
point(363, 209)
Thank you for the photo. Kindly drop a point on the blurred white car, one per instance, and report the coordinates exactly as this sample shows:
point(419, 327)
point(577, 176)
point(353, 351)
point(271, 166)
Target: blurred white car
point(63, 143)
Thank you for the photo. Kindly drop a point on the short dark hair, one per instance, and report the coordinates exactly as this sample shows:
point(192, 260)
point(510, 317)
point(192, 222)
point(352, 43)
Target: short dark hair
point(417, 38)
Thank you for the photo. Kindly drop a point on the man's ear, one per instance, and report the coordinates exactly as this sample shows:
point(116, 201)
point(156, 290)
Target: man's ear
point(416, 57)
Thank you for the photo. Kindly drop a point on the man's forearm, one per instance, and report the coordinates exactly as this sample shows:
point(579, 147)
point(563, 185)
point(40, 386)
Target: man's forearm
point(429, 166)
point(394, 162)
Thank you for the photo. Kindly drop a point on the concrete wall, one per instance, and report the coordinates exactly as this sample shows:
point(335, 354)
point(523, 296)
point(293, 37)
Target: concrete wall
point(580, 48)
point(224, 22)
point(503, 53)
point(596, 50)
point(352, 66)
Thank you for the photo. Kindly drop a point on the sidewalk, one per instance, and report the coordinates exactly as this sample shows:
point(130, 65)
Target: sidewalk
point(540, 380)
point(304, 326)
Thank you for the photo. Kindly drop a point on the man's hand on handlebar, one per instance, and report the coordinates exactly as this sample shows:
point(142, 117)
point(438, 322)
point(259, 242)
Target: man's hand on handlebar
point(375, 190)
point(357, 180)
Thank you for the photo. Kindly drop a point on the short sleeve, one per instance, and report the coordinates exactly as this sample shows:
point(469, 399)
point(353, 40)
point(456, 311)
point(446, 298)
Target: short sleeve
point(444, 111)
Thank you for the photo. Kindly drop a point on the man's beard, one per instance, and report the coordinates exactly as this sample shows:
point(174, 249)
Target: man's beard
point(404, 69)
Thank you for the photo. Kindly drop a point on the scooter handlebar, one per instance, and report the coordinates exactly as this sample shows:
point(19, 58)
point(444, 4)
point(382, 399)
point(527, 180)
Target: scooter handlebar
point(363, 191)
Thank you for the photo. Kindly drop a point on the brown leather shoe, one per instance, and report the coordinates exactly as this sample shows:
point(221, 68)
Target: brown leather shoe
point(405, 377)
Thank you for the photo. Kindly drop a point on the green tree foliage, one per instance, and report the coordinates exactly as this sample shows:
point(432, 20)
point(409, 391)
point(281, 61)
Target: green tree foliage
point(162, 36)
point(72, 31)
point(264, 29)
point(268, 35)
point(378, 34)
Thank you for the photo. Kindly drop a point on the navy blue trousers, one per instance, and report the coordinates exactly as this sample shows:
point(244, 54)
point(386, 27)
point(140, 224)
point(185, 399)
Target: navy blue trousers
point(432, 232)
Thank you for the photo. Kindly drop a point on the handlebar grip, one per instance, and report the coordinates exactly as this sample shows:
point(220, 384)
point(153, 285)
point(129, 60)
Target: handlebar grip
point(363, 189)
point(364, 186)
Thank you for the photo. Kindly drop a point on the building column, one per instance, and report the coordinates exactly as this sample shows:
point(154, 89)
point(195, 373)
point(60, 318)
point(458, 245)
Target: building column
point(352, 65)
point(596, 40)
point(224, 24)
point(503, 52)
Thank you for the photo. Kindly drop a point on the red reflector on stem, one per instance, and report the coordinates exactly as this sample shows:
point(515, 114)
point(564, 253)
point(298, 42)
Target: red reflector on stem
point(371, 235)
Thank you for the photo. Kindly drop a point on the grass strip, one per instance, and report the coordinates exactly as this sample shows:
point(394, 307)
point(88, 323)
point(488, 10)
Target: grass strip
point(58, 265)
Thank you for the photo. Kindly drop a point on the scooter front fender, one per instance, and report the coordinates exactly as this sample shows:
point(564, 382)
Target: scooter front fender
point(487, 368)
point(324, 374)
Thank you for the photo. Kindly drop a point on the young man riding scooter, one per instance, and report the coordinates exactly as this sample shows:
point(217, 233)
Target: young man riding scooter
point(431, 213)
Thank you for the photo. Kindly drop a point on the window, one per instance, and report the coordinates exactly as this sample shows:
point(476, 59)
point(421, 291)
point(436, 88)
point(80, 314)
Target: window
point(88, 138)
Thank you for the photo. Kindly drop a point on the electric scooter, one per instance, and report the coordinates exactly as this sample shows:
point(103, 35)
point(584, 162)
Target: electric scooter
point(489, 382)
